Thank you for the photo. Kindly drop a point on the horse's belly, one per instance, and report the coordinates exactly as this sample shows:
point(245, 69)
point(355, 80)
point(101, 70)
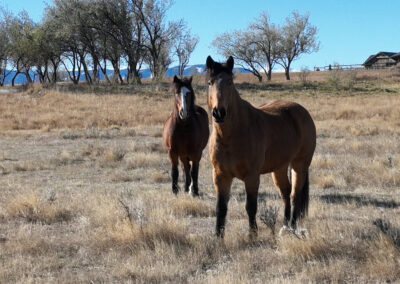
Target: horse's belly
point(277, 158)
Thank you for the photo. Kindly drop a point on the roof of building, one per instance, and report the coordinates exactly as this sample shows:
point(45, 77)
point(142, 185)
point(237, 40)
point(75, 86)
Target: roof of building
point(381, 53)
point(396, 56)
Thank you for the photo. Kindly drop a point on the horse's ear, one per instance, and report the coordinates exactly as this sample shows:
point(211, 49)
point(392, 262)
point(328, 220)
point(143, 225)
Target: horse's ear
point(230, 62)
point(176, 80)
point(210, 63)
point(190, 79)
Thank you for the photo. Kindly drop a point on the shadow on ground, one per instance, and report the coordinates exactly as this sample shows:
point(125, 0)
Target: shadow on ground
point(358, 200)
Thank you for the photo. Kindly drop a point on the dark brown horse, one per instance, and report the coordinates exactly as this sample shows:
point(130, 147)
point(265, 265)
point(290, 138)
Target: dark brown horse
point(185, 135)
point(247, 142)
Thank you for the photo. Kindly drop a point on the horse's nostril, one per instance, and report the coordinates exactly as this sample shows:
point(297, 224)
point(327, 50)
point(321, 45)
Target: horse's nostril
point(222, 112)
point(219, 114)
point(215, 113)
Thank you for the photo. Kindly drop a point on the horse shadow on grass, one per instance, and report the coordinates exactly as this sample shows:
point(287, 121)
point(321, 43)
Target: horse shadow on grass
point(358, 200)
point(389, 230)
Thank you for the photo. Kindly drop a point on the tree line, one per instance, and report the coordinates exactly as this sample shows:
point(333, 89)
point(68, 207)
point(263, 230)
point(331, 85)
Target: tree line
point(263, 44)
point(88, 36)
point(78, 38)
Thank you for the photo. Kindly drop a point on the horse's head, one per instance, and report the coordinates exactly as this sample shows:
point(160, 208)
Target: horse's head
point(184, 96)
point(221, 88)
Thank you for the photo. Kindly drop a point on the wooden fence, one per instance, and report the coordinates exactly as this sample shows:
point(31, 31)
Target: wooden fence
point(356, 67)
point(339, 67)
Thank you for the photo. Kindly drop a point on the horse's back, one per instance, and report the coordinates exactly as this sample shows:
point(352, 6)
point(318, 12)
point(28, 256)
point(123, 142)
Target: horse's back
point(295, 121)
point(292, 111)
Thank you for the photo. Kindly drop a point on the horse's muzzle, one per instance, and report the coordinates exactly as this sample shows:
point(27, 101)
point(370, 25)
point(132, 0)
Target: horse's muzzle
point(219, 114)
point(183, 114)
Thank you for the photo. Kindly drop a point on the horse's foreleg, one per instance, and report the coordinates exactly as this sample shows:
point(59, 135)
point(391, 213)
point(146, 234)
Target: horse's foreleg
point(186, 169)
point(222, 185)
point(174, 172)
point(194, 172)
point(252, 185)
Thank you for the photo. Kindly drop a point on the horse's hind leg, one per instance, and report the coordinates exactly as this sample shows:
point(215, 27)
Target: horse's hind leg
point(186, 170)
point(194, 172)
point(281, 181)
point(299, 196)
point(174, 172)
point(252, 185)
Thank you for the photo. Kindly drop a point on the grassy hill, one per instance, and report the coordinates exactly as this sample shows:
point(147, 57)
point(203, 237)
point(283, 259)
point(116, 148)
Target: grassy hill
point(85, 191)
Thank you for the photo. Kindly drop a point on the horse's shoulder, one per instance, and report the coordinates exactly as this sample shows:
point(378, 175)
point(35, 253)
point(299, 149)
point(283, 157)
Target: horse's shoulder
point(168, 120)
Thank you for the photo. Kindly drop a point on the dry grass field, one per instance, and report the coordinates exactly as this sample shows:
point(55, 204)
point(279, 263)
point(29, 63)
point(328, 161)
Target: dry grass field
point(85, 193)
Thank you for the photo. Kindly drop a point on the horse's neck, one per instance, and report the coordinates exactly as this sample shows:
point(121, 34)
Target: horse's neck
point(236, 120)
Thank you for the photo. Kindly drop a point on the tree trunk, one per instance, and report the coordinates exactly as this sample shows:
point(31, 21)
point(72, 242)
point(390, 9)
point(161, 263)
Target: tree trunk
point(86, 70)
point(117, 72)
point(104, 71)
point(133, 74)
point(269, 74)
point(13, 79)
point(55, 68)
point(287, 73)
point(259, 76)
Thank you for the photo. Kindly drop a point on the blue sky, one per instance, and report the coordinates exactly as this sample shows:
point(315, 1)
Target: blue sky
point(349, 30)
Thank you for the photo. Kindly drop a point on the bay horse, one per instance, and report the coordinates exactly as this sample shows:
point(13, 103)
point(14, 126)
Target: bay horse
point(185, 135)
point(247, 141)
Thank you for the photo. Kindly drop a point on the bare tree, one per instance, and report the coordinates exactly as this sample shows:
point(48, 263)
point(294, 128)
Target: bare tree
point(20, 31)
point(240, 45)
point(4, 46)
point(183, 47)
point(266, 37)
point(298, 37)
point(159, 35)
point(65, 19)
point(125, 36)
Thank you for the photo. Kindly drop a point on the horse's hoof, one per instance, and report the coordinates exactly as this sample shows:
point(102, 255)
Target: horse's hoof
point(219, 233)
point(285, 230)
point(253, 235)
point(302, 233)
point(194, 192)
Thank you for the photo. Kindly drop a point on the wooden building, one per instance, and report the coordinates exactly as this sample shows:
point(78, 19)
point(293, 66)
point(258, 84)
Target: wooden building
point(382, 60)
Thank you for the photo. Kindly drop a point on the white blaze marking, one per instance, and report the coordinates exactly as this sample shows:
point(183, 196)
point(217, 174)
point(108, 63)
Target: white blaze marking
point(184, 91)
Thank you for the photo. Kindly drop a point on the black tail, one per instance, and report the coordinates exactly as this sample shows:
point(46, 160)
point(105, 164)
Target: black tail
point(304, 199)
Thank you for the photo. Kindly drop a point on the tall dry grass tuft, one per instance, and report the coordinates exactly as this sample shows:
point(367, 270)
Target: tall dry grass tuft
point(268, 215)
point(136, 227)
point(30, 208)
point(143, 160)
point(382, 262)
point(115, 154)
point(185, 206)
point(323, 244)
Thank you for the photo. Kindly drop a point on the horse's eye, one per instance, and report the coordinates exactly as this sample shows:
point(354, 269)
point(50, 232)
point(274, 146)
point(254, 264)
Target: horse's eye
point(210, 82)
